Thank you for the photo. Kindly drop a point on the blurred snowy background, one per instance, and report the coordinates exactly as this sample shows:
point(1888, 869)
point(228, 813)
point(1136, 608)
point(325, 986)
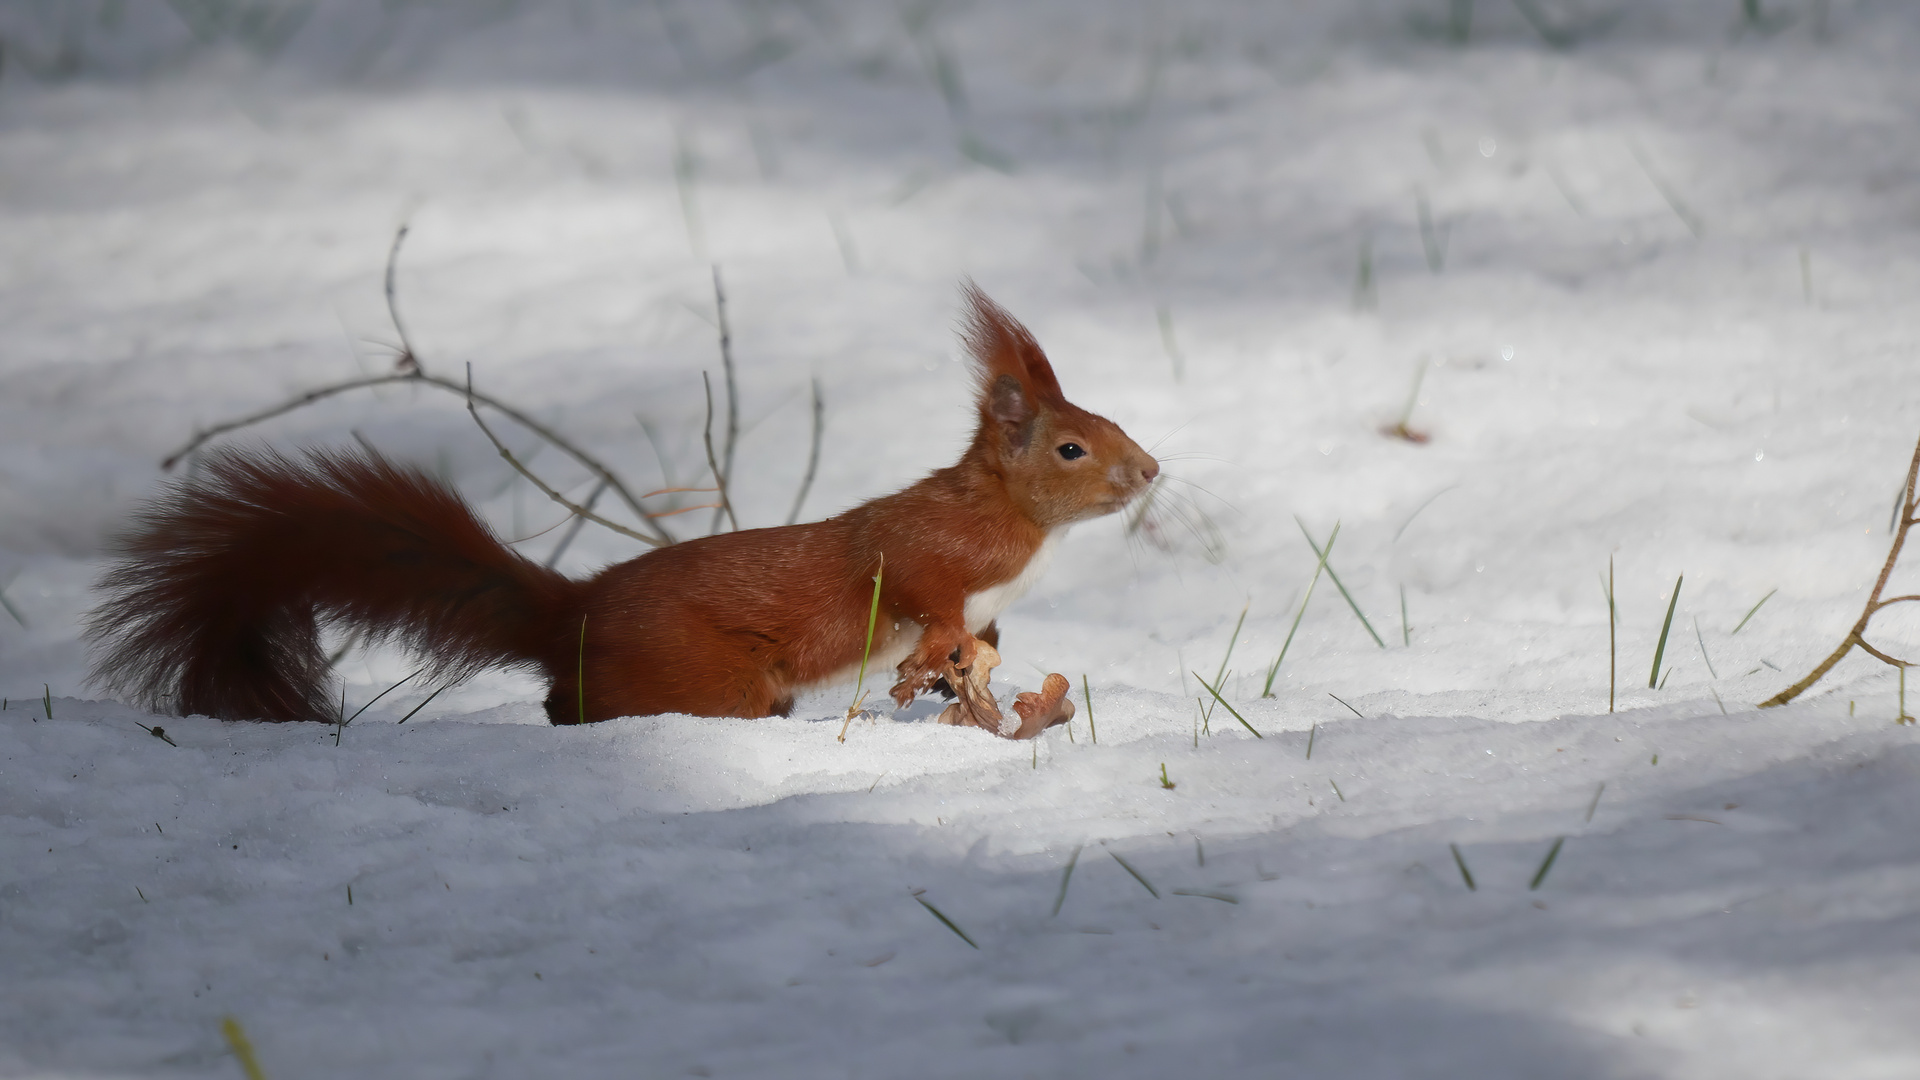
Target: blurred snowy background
point(1642, 273)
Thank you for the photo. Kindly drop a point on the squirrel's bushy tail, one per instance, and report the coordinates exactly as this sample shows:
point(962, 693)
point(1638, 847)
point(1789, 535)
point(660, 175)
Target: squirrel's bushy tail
point(216, 602)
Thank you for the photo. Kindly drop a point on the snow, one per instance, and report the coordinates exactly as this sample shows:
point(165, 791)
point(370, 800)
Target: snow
point(1670, 325)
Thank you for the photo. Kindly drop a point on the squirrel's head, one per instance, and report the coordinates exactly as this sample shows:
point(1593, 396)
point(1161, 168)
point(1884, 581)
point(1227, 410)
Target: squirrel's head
point(1061, 463)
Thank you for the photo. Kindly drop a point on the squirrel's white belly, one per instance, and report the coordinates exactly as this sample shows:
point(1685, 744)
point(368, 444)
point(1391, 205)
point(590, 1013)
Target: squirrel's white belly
point(986, 605)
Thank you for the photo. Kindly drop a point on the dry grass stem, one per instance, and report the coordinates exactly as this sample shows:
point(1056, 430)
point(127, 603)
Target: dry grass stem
point(1856, 635)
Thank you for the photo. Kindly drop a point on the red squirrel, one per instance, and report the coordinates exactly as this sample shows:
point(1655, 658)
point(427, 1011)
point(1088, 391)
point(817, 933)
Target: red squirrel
point(221, 587)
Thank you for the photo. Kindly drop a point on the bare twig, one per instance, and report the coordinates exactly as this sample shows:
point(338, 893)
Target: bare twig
point(1880, 656)
point(592, 464)
point(719, 478)
point(542, 484)
point(411, 371)
point(1857, 635)
point(209, 434)
point(813, 454)
point(724, 472)
point(573, 530)
point(408, 360)
point(726, 364)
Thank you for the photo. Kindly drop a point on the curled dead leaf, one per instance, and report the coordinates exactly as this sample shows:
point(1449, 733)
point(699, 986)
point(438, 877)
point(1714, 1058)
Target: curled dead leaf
point(1040, 711)
point(973, 704)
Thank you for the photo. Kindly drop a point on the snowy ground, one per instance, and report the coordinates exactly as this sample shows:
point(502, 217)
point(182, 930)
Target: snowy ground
point(1662, 298)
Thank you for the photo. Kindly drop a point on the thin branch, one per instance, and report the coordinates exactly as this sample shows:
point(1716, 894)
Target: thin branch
point(573, 530)
point(408, 360)
point(1857, 635)
point(1880, 656)
point(542, 484)
point(588, 461)
point(209, 434)
point(1812, 677)
point(726, 364)
point(518, 540)
point(413, 372)
point(726, 505)
point(724, 472)
point(813, 454)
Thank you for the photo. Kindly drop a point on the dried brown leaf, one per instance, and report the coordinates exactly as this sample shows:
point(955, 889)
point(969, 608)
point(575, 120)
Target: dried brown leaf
point(1040, 711)
point(973, 704)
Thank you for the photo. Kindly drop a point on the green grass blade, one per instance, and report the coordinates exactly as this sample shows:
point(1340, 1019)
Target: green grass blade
point(1697, 636)
point(1613, 629)
point(377, 697)
point(1358, 614)
point(1065, 878)
point(1460, 861)
point(1229, 708)
point(873, 615)
point(1137, 876)
point(242, 1048)
point(946, 922)
point(422, 705)
point(1419, 376)
point(1231, 642)
point(1203, 894)
point(1267, 690)
point(1751, 610)
point(1653, 680)
point(11, 610)
point(1311, 732)
point(1541, 875)
point(1406, 630)
point(580, 677)
point(1093, 733)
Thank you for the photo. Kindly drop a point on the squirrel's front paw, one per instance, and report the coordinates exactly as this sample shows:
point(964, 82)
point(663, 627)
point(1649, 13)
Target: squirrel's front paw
point(930, 663)
point(909, 687)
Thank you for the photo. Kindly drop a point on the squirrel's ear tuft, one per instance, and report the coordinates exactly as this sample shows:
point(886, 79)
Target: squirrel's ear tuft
point(1002, 348)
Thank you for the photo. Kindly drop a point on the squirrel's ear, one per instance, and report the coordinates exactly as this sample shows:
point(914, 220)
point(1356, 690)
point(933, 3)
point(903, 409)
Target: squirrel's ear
point(1003, 350)
point(1007, 404)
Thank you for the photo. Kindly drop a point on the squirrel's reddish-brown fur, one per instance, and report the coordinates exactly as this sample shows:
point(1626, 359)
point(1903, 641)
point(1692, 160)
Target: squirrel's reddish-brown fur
point(216, 604)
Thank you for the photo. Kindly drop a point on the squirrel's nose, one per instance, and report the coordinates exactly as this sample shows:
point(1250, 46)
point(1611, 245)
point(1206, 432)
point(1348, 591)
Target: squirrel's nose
point(1150, 470)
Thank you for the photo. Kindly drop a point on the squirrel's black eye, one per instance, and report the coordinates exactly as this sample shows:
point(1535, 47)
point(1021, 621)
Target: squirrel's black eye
point(1071, 451)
